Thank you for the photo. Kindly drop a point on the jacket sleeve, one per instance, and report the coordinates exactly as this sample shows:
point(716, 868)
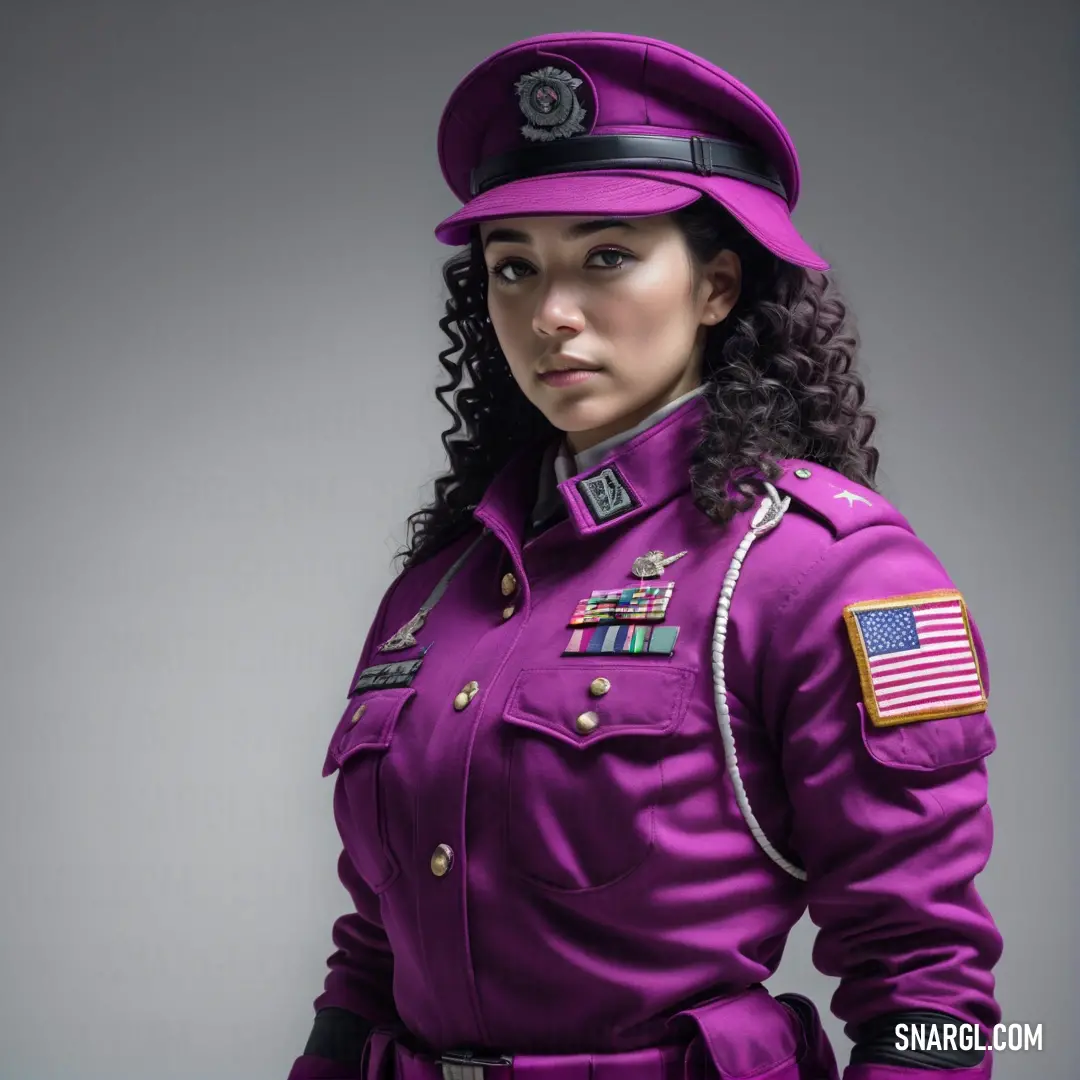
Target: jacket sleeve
point(891, 822)
point(358, 989)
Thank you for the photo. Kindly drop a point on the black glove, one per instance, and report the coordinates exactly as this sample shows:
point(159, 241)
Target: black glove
point(339, 1035)
point(875, 1043)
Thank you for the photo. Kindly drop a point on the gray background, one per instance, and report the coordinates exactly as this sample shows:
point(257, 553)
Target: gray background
point(219, 296)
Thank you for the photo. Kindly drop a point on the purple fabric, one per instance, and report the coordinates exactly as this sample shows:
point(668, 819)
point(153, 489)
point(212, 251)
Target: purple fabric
point(629, 85)
point(603, 880)
point(648, 1064)
point(310, 1067)
point(743, 1036)
point(751, 1034)
point(895, 1072)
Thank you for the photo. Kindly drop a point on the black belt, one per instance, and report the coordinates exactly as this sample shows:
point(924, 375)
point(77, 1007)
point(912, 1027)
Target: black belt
point(703, 157)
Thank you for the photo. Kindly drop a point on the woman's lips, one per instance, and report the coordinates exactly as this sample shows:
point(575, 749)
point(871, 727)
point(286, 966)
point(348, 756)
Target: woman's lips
point(570, 377)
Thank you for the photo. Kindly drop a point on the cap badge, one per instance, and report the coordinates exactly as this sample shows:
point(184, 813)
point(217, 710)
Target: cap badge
point(550, 105)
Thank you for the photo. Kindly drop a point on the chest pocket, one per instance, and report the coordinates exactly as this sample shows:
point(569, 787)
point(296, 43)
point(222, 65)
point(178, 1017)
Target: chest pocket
point(358, 748)
point(585, 749)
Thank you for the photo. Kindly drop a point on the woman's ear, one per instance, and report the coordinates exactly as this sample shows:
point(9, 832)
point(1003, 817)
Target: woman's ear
point(721, 285)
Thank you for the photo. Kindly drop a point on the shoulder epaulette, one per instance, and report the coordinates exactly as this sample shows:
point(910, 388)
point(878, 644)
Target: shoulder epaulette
point(841, 504)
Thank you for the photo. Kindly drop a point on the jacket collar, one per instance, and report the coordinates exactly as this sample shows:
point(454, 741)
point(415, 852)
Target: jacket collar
point(628, 480)
point(567, 465)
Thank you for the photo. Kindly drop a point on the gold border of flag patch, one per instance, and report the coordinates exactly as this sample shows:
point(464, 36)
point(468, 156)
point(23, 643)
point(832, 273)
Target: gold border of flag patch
point(858, 646)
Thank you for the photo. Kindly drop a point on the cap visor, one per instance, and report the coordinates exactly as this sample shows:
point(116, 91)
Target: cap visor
point(635, 193)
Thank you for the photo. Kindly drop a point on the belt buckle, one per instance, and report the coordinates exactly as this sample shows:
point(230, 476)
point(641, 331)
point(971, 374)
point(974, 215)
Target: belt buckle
point(465, 1065)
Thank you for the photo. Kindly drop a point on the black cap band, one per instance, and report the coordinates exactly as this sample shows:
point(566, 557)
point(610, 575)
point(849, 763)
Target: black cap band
point(587, 153)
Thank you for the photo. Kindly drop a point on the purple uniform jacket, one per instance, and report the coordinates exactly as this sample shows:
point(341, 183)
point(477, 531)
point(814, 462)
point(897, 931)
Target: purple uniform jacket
point(528, 879)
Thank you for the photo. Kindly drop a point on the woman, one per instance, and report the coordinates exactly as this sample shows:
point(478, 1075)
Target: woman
point(663, 669)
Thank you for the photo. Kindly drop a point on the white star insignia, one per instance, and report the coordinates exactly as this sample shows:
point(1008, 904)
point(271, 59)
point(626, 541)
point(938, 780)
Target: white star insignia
point(851, 497)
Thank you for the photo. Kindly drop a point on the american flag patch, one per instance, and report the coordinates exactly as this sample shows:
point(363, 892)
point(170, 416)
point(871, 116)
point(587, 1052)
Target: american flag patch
point(916, 657)
point(635, 603)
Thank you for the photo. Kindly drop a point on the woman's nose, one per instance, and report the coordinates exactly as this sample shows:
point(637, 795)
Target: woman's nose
point(557, 312)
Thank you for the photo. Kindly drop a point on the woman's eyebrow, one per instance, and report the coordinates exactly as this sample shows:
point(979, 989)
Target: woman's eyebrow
point(585, 228)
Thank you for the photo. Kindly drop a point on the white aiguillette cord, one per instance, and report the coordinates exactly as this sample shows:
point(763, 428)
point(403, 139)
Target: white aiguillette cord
point(767, 517)
point(404, 638)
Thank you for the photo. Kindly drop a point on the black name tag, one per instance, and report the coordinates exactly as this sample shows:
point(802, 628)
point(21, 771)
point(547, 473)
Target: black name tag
point(387, 676)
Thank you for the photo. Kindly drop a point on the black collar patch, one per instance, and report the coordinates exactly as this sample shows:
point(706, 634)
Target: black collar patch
point(606, 495)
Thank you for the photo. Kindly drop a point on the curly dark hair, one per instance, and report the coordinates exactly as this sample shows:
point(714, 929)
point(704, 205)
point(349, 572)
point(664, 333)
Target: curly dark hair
point(779, 372)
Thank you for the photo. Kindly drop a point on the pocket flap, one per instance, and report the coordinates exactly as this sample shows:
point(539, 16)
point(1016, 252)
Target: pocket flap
point(560, 701)
point(749, 1034)
point(367, 723)
point(928, 745)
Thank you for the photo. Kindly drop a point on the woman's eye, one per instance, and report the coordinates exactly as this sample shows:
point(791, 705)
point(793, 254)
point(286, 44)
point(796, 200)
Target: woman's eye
point(509, 264)
point(612, 259)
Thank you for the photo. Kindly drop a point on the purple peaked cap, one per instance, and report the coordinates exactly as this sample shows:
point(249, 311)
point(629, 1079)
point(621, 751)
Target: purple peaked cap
point(615, 125)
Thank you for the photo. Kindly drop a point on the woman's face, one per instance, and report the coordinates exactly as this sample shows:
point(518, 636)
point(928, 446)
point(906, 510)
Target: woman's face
point(601, 321)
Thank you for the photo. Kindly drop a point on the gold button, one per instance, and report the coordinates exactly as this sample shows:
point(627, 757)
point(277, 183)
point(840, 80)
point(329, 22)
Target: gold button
point(587, 722)
point(507, 612)
point(359, 712)
point(442, 860)
point(468, 692)
point(508, 584)
point(599, 687)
